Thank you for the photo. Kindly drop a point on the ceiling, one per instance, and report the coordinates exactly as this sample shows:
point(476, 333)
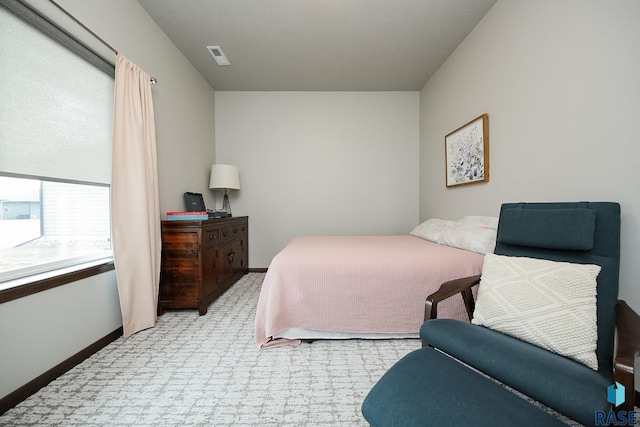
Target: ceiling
point(318, 45)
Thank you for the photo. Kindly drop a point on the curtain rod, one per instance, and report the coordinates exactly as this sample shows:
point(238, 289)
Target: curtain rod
point(97, 37)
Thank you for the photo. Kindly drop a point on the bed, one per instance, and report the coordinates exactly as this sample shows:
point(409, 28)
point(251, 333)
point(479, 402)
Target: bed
point(360, 286)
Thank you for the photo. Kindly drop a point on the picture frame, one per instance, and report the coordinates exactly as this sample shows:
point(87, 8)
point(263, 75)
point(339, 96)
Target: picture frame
point(467, 153)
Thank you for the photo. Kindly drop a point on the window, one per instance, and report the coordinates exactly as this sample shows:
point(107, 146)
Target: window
point(56, 118)
point(47, 225)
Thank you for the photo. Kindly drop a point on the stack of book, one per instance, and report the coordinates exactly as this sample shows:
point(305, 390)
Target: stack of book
point(187, 216)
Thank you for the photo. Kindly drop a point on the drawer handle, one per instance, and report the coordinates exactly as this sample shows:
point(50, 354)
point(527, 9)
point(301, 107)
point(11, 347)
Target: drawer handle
point(230, 257)
point(225, 233)
point(211, 236)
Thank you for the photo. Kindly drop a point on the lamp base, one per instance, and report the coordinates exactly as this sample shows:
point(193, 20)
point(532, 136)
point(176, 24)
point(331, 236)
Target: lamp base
point(226, 207)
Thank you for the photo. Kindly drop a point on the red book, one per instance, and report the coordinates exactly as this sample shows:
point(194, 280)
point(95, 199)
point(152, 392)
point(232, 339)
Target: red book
point(187, 213)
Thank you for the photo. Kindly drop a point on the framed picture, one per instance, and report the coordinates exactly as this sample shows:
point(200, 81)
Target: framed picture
point(467, 153)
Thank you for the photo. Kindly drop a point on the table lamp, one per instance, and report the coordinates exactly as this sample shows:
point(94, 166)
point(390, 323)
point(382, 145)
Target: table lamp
point(225, 178)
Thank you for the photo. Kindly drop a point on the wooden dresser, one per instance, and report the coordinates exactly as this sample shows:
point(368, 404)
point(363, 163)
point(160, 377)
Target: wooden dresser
point(201, 260)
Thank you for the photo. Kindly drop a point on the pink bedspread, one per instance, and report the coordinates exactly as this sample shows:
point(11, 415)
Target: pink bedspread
point(358, 284)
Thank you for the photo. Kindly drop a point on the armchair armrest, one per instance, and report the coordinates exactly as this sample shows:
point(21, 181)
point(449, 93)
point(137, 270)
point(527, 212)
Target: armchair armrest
point(628, 347)
point(447, 289)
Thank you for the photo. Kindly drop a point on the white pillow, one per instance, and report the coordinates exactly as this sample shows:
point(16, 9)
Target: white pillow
point(470, 237)
point(432, 229)
point(546, 303)
point(482, 221)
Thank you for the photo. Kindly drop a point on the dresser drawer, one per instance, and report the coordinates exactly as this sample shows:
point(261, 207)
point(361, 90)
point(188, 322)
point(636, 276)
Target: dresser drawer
point(227, 233)
point(177, 291)
point(179, 276)
point(210, 238)
point(242, 229)
point(232, 232)
point(186, 241)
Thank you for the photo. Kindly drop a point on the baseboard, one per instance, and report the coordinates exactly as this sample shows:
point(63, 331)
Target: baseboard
point(257, 270)
point(17, 396)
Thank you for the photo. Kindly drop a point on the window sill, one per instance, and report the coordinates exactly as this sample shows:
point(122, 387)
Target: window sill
point(41, 282)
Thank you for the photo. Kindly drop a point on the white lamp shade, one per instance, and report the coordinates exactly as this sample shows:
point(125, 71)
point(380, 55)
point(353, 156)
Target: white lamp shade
point(224, 177)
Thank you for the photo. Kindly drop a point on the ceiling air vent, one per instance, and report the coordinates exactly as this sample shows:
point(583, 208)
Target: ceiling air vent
point(218, 55)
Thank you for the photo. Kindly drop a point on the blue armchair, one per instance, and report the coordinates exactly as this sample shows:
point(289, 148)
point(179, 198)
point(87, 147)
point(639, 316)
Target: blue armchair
point(428, 388)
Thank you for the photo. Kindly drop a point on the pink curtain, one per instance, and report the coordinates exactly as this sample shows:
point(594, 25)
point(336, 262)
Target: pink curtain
point(134, 198)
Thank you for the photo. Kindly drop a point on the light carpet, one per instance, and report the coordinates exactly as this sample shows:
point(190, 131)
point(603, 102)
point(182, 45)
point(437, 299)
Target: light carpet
point(195, 370)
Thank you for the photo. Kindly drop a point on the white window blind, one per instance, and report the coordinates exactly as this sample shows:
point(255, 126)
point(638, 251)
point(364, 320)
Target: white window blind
point(56, 109)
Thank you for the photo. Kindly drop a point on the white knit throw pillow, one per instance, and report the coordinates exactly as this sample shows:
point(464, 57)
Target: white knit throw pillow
point(546, 303)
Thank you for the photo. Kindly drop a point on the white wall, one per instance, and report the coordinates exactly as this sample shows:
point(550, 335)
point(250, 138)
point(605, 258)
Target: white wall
point(559, 80)
point(42, 330)
point(320, 163)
